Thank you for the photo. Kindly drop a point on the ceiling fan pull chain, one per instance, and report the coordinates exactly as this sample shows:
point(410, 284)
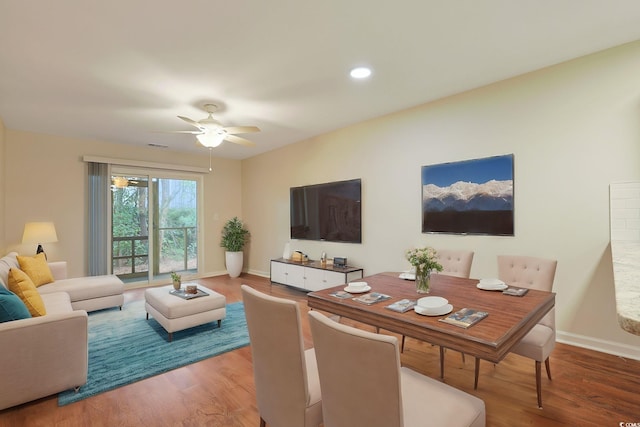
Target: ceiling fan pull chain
point(210, 150)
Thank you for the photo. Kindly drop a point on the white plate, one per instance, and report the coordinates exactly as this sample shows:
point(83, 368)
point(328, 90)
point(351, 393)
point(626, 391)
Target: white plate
point(357, 284)
point(432, 303)
point(491, 282)
point(440, 312)
point(492, 287)
point(357, 290)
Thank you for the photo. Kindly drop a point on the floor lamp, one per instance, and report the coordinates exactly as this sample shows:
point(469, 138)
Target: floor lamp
point(39, 232)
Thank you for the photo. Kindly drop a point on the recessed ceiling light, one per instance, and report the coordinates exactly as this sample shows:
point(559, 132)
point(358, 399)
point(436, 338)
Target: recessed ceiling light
point(360, 73)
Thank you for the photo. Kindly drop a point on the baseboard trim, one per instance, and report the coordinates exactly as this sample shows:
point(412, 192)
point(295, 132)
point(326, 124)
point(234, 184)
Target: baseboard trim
point(610, 347)
point(259, 273)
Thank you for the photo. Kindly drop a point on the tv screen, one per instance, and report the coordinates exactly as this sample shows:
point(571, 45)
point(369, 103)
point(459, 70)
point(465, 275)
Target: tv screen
point(330, 212)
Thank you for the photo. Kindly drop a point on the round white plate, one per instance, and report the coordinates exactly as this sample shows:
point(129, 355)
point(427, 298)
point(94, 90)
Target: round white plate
point(357, 290)
point(439, 312)
point(492, 287)
point(491, 282)
point(432, 303)
point(358, 284)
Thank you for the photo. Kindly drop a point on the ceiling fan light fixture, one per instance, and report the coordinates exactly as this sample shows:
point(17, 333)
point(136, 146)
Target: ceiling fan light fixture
point(360, 72)
point(210, 139)
point(120, 182)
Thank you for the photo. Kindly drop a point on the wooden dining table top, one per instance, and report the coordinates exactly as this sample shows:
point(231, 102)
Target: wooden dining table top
point(509, 318)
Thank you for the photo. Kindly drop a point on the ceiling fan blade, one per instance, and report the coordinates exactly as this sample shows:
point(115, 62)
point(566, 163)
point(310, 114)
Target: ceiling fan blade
point(241, 129)
point(191, 122)
point(192, 132)
point(241, 141)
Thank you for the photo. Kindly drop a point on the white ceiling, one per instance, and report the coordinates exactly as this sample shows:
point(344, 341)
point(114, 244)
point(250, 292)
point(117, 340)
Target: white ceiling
point(120, 71)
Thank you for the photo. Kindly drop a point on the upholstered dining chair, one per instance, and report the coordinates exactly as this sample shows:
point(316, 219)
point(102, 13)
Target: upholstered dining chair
point(286, 375)
point(455, 262)
point(532, 273)
point(363, 384)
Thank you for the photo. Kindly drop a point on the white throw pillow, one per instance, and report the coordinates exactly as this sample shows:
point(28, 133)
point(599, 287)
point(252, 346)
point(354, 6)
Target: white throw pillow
point(8, 262)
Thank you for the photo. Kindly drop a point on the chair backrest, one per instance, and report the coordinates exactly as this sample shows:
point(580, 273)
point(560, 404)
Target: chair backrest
point(529, 272)
point(277, 348)
point(359, 375)
point(454, 262)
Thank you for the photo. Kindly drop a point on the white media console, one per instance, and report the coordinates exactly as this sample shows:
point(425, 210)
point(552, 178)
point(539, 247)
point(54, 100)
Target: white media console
point(312, 275)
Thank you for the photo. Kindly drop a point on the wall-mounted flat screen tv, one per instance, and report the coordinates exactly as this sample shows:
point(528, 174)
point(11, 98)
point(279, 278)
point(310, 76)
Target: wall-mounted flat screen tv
point(331, 212)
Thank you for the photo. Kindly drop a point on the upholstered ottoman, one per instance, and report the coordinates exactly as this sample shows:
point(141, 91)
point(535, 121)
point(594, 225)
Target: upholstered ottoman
point(175, 313)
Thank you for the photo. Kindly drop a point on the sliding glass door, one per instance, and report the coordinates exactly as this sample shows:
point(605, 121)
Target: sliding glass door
point(175, 230)
point(154, 227)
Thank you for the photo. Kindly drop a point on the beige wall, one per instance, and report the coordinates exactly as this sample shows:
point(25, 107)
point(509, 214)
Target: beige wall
point(572, 128)
point(47, 181)
point(2, 181)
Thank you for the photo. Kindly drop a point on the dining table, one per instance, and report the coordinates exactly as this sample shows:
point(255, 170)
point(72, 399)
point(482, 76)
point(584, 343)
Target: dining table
point(509, 318)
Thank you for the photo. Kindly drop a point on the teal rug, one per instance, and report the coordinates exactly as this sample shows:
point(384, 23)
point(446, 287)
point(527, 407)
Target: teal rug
point(124, 347)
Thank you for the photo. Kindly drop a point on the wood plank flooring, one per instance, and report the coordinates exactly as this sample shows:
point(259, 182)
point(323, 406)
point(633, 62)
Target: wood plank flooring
point(588, 388)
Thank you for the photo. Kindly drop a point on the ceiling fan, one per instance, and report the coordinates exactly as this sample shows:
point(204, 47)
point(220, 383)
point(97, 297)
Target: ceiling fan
point(211, 133)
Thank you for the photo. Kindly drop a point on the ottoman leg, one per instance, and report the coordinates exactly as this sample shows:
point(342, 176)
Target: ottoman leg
point(219, 322)
point(170, 336)
point(147, 316)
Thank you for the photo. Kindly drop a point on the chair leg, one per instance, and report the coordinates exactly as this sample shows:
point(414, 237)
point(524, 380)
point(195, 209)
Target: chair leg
point(546, 363)
point(402, 345)
point(441, 362)
point(475, 384)
point(539, 383)
point(262, 422)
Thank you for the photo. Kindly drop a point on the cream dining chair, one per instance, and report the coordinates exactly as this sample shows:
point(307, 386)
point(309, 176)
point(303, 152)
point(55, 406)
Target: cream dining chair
point(531, 273)
point(286, 375)
point(455, 263)
point(364, 385)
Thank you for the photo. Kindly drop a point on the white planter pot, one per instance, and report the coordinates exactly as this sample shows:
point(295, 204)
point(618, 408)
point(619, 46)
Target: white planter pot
point(234, 263)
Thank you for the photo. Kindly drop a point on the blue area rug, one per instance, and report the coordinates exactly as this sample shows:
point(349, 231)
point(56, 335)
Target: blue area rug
point(124, 347)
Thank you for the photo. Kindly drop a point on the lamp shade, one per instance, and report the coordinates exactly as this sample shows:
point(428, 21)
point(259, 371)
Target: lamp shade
point(39, 232)
point(210, 139)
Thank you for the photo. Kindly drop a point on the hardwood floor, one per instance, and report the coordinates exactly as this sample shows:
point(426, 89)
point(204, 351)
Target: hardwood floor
point(588, 388)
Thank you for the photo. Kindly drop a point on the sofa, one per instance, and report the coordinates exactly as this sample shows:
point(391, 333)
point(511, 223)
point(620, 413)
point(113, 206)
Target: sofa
point(47, 354)
point(89, 293)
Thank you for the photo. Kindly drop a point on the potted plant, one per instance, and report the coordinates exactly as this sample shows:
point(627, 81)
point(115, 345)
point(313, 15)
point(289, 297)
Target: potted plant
point(234, 237)
point(177, 280)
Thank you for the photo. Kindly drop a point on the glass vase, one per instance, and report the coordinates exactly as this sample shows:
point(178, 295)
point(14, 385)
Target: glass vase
point(423, 278)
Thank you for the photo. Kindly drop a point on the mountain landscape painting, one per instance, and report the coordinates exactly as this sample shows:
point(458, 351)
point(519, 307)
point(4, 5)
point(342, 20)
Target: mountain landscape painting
point(469, 197)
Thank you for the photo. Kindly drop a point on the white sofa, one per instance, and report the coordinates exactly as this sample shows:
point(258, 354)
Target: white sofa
point(43, 355)
point(40, 356)
point(88, 293)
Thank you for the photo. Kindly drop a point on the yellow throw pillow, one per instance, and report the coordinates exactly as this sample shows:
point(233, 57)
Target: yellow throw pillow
point(36, 268)
point(21, 285)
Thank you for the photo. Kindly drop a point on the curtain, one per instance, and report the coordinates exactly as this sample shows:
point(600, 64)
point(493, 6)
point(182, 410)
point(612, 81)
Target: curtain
point(99, 193)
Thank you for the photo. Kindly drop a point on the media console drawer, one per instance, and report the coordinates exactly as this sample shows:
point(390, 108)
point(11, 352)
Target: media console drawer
point(311, 276)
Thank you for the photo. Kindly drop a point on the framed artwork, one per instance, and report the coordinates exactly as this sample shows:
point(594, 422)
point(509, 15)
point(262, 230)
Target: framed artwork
point(469, 197)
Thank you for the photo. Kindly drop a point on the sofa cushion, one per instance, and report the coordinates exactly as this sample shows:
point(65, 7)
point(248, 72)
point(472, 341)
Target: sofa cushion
point(57, 302)
point(7, 262)
point(11, 306)
point(21, 285)
point(84, 288)
point(36, 268)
